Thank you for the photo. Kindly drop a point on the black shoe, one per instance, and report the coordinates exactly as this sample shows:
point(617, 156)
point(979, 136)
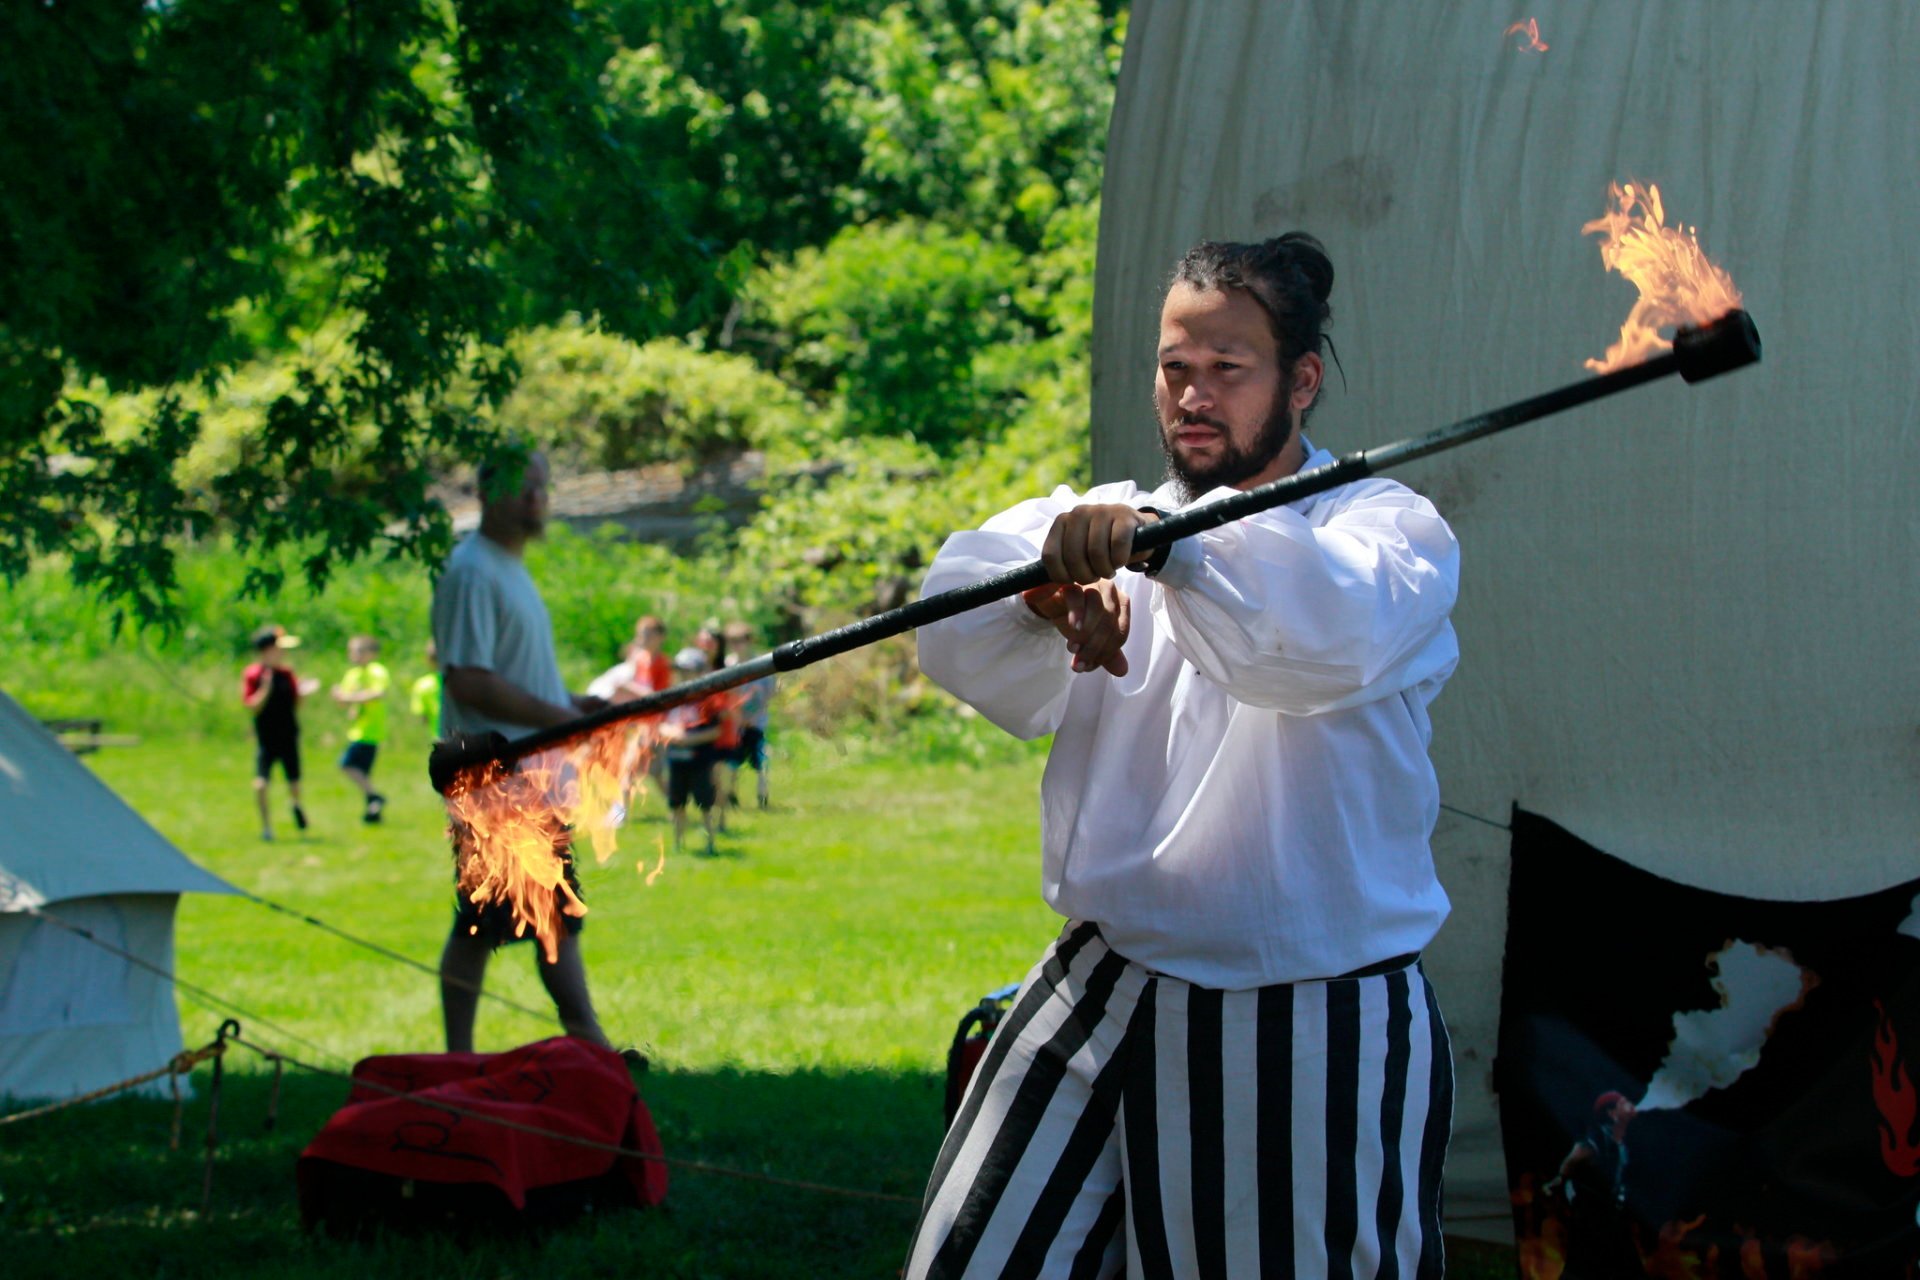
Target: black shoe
point(299, 817)
point(636, 1061)
point(374, 805)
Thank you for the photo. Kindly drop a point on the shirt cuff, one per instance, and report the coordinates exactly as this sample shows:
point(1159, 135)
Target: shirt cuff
point(1026, 619)
point(1183, 563)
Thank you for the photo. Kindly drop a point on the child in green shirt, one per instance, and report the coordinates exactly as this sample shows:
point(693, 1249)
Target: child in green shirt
point(364, 690)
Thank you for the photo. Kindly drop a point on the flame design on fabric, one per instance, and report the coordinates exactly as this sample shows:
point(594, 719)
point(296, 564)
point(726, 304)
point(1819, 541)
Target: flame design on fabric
point(1893, 1093)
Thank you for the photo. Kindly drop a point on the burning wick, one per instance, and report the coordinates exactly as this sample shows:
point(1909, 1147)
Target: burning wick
point(513, 826)
point(1531, 30)
point(1677, 285)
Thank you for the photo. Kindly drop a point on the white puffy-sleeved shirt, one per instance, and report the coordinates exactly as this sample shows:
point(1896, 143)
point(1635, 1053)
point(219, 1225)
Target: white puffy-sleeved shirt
point(1252, 802)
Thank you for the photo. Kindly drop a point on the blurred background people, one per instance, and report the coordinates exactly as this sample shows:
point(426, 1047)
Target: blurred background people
point(690, 731)
point(272, 691)
point(363, 689)
point(424, 698)
point(751, 703)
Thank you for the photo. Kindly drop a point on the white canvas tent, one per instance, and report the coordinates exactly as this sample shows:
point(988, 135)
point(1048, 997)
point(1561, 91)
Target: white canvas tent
point(73, 1015)
point(1684, 631)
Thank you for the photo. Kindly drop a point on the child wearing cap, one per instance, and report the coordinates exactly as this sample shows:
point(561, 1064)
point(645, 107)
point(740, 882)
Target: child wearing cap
point(271, 690)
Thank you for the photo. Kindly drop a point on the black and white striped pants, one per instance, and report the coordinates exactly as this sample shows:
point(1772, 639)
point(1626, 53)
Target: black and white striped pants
point(1122, 1120)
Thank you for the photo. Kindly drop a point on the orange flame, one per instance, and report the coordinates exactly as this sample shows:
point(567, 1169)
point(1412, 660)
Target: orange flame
point(1544, 1256)
point(1677, 285)
point(1893, 1093)
point(512, 826)
point(1808, 1258)
point(1531, 30)
point(1542, 1247)
point(1670, 1261)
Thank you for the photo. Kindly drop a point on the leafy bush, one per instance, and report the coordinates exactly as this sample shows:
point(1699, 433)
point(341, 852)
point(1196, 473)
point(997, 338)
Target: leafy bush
point(888, 319)
point(601, 401)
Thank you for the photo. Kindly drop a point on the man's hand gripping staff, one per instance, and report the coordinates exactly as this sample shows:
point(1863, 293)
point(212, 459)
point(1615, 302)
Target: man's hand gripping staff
point(1084, 549)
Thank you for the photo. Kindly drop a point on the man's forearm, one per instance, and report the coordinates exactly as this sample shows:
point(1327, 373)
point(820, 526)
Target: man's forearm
point(500, 699)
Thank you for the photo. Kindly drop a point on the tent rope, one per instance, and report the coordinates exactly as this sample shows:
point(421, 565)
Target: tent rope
point(399, 957)
point(180, 1064)
point(230, 1034)
point(1463, 813)
point(672, 1162)
point(199, 993)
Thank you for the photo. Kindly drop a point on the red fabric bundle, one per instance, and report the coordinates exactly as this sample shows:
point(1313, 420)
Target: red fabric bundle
point(561, 1085)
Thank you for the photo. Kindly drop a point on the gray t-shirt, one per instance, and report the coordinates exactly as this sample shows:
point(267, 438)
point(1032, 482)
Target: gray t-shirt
point(488, 614)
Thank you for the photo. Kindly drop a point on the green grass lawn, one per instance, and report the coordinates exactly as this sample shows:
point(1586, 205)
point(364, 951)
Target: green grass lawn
point(796, 995)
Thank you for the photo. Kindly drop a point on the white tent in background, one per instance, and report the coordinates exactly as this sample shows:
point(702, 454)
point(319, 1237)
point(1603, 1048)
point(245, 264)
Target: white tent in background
point(73, 1015)
point(1684, 631)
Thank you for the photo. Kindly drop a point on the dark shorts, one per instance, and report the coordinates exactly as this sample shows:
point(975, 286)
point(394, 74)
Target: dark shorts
point(752, 749)
point(494, 922)
point(359, 755)
point(283, 747)
point(691, 780)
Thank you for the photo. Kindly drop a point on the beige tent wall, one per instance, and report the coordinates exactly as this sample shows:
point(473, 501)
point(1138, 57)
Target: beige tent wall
point(74, 1017)
point(1687, 617)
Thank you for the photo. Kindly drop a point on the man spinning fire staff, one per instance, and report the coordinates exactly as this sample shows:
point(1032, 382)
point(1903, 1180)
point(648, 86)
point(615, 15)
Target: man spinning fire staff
point(1229, 1063)
point(495, 645)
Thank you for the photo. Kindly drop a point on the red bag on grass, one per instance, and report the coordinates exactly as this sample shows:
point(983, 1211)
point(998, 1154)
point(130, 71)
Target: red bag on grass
point(400, 1162)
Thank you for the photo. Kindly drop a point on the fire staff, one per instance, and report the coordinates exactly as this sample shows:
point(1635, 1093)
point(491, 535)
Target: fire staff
point(1229, 1062)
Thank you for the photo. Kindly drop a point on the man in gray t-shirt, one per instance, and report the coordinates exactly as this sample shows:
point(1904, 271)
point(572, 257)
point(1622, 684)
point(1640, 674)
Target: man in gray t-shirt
point(495, 643)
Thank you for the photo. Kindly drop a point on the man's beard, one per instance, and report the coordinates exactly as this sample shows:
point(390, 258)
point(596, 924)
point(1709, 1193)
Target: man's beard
point(1233, 464)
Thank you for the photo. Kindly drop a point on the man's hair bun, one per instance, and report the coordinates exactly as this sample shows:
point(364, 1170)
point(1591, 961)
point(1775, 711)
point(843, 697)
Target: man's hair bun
point(1290, 276)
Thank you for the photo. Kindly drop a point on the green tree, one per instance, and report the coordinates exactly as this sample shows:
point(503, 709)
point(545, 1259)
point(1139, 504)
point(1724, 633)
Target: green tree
point(210, 177)
point(888, 321)
point(601, 401)
point(990, 114)
point(282, 261)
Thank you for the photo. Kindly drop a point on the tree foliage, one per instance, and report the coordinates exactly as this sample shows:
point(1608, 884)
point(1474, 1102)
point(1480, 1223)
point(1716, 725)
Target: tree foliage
point(600, 402)
point(211, 177)
point(282, 263)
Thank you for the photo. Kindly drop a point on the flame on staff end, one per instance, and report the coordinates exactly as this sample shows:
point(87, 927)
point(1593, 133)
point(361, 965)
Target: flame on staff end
point(1530, 29)
point(511, 823)
point(1677, 285)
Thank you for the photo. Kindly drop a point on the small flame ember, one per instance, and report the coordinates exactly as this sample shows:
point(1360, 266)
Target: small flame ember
point(1530, 30)
point(512, 825)
point(1677, 285)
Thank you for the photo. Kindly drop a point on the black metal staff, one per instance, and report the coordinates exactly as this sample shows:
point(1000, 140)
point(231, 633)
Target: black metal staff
point(1730, 342)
